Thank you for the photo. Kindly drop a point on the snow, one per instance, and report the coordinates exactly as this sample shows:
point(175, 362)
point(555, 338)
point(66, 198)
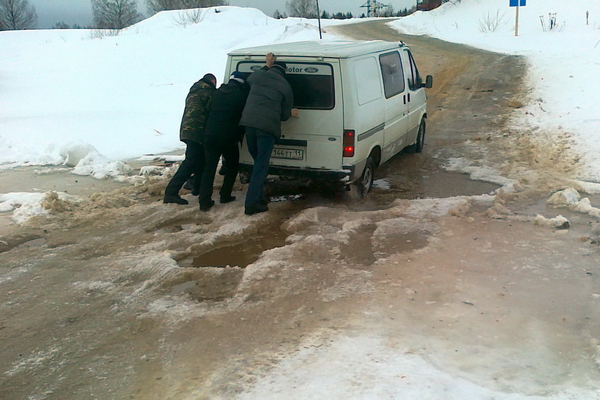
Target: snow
point(374, 372)
point(25, 205)
point(563, 62)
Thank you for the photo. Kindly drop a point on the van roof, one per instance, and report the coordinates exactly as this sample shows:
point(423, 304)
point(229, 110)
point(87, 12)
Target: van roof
point(333, 49)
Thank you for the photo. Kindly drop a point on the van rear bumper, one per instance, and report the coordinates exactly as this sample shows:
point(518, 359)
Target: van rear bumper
point(345, 175)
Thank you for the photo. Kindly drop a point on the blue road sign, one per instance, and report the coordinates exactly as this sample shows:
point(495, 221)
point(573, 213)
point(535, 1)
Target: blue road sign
point(515, 3)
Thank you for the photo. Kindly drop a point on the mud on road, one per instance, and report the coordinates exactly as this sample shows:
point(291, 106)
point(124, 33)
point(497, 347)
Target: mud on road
point(120, 296)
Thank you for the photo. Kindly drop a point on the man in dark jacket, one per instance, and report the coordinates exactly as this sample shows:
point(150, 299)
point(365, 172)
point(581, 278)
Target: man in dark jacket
point(270, 101)
point(223, 134)
point(197, 106)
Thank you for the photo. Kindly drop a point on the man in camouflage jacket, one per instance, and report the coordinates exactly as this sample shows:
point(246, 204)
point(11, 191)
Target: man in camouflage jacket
point(195, 114)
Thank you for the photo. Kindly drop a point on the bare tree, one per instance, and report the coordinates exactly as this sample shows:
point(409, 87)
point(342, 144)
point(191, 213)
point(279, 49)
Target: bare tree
point(115, 14)
point(17, 15)
point(155, 6)
point(302, 8)
point(61, 25)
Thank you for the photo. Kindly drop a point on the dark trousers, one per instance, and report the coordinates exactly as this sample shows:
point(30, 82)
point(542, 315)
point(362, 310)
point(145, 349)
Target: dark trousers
point(214, 148)
point(192, 164)
point(260, 145)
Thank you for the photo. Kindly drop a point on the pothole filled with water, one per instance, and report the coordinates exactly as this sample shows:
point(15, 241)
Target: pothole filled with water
point(241, 254)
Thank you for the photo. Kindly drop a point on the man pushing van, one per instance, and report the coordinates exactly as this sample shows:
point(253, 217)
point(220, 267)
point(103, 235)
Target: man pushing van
point(269, 102)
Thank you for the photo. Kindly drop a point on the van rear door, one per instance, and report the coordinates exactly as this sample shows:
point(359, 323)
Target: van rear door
point(314, 140)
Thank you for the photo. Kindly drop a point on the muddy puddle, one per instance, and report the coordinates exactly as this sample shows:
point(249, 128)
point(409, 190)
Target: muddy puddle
point(386, 188)
point(429, 183)
point(241, 254)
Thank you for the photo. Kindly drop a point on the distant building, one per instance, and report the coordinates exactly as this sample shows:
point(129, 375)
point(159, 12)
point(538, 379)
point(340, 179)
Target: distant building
point(426, 5)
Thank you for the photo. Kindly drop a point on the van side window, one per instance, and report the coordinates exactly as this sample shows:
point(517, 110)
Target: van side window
point(392, 73)
point(414, 80)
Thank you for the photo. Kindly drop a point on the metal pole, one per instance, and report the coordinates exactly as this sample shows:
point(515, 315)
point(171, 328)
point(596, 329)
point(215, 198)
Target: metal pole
point(319, 19)
point(517, 21)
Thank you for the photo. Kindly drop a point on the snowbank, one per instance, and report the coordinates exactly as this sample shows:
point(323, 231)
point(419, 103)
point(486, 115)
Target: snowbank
point(563, 60)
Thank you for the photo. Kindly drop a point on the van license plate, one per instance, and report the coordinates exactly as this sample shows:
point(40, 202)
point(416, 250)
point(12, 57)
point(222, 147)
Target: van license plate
point(288, 154)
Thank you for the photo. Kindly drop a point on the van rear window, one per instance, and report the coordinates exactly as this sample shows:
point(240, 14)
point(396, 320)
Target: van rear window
point(312, 83)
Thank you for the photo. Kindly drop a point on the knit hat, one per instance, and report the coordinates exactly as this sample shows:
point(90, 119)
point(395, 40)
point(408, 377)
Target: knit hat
point(280, 64)
point(238, 76)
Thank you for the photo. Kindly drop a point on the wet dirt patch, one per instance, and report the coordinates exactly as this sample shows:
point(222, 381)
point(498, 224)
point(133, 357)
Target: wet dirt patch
point(358, 250)
point(209, 284)
point(38, 242)
point(58, 179)
point(21, 240)
point(401, 235)
point(403, 243)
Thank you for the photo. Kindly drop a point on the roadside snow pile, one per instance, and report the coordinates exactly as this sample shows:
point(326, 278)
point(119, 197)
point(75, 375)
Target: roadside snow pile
point(564, 198)
point(86, 160)
point(558, 222)
point(480, 173)
point(571, 199)
point(561, 41)
point(27, 205)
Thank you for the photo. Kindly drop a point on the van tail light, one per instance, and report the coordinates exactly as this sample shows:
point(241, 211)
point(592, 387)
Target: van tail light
point(349, 143)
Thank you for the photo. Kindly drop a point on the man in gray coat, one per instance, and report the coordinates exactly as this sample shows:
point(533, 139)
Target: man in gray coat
point(270, 101)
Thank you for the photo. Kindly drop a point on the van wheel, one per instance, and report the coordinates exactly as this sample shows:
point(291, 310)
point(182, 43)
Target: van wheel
point(365, 183)
point(418, 146)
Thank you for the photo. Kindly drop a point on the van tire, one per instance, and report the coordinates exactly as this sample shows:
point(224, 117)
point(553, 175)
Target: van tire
point(365, 183)
point(417, 147)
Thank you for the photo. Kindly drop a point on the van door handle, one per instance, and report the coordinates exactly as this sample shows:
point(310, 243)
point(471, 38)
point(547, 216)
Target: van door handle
point(404, 99)
point(409, 97)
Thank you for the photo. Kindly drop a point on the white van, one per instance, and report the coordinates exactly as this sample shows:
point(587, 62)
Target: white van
point(360, 103)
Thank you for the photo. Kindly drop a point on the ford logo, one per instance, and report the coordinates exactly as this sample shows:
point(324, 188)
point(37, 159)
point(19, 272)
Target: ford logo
point(311, 70)
point(255, 67)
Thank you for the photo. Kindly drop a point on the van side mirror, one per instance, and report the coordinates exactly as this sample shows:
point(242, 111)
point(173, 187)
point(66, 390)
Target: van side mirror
point(428, 82)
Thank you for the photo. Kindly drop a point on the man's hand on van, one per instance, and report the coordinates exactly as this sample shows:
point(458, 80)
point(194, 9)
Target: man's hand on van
point(295, 113)
point(270, 59)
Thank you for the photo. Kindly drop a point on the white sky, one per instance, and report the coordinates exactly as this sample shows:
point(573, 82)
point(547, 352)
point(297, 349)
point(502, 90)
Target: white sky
point(80, 11)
